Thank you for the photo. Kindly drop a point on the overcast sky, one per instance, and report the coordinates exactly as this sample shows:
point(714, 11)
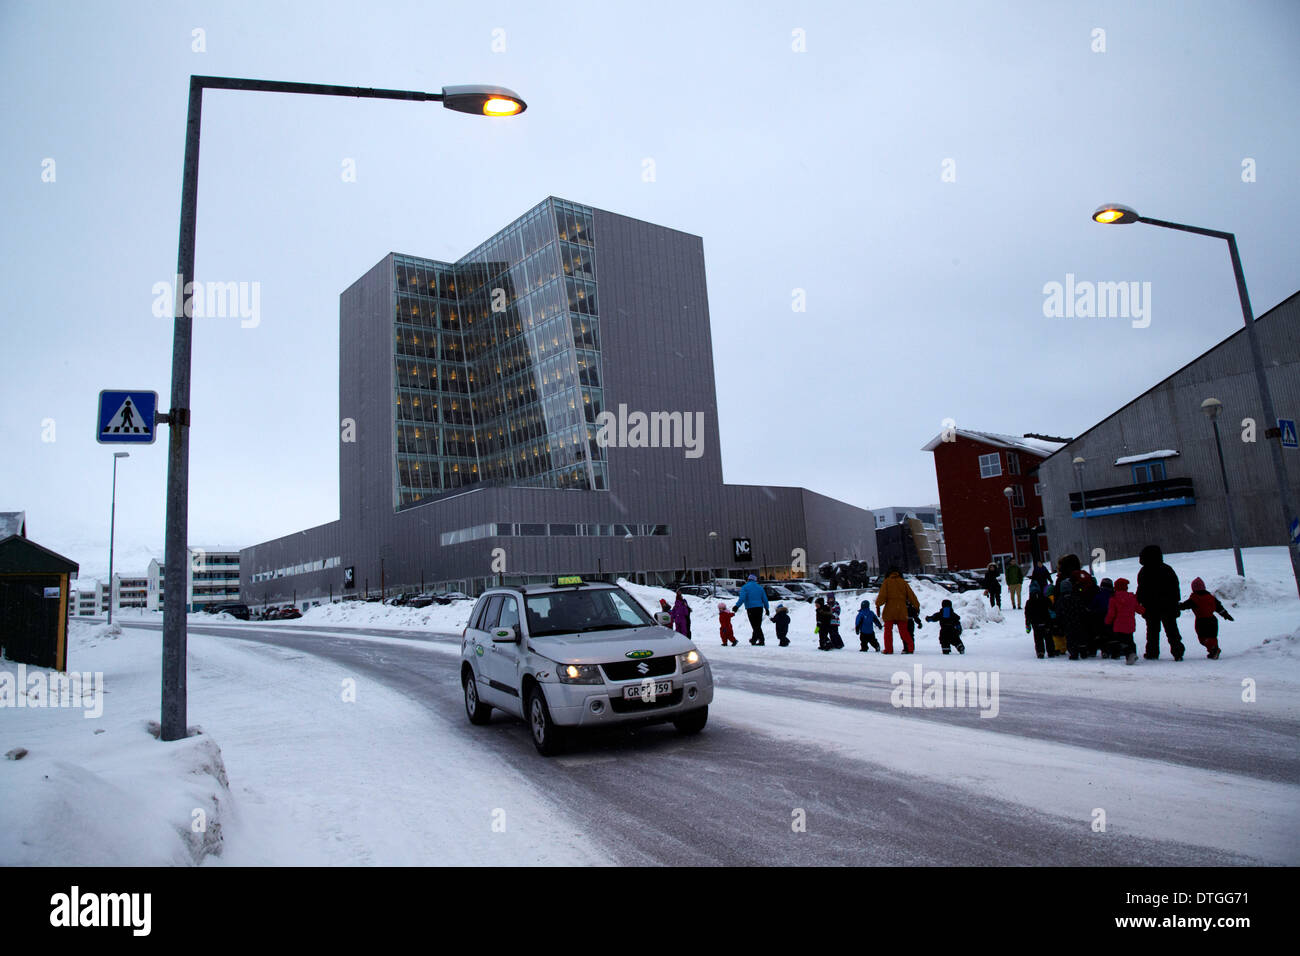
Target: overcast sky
point(920, 171)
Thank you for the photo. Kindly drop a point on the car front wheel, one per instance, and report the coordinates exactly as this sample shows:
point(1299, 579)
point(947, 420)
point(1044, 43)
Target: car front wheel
point(693, 722)
point(477, 711)
point(547, 737)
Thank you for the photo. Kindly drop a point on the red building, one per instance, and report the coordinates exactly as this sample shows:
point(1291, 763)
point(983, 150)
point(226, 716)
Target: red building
point(973, 470)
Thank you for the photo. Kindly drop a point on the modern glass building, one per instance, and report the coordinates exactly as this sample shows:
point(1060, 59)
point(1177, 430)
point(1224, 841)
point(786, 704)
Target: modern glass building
point(470, 399)
point(497, 361)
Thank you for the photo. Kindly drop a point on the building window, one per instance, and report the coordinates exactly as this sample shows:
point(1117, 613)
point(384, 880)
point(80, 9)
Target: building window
point(1021, 524)
point(990, 465)
point(1038, 488)
point(1017, 496)
point(1013, 463)
point(1148, 471)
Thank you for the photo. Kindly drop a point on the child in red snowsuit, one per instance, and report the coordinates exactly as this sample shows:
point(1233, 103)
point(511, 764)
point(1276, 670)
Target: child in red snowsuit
point(724, 624)
point(1205, 605)
point(1121, 618)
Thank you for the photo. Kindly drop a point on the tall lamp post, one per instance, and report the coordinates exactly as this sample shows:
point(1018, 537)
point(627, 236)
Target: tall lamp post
point(1212, 407)
point(1011, 517)
point(1122, 215)
point(713, 575)
point(1078, 463)
point(988, 536)
point(112, 521)
point(480, 100)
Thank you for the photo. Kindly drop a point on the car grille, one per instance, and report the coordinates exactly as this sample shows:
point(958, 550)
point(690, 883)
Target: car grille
point(631, 670)
point(620, 706)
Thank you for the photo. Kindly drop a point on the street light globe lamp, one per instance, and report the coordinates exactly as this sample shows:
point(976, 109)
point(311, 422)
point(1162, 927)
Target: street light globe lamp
point(483, 100)
point(1078, 463)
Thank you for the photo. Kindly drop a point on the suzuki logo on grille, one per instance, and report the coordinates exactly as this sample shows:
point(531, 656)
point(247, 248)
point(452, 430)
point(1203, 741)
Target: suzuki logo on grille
point(643, 667)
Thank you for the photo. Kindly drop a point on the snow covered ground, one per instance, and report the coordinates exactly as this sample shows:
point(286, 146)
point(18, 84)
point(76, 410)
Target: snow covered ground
point(338, 739)
point(314, 778)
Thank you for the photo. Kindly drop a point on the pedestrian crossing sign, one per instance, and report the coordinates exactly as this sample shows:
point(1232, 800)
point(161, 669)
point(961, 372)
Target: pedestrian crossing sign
point(1287, 427)
point(127, 417)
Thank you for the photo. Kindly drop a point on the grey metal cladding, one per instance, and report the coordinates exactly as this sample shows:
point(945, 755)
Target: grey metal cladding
point(1169, 416)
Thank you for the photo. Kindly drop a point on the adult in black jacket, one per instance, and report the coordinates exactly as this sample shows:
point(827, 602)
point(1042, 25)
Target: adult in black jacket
point(1158, 593)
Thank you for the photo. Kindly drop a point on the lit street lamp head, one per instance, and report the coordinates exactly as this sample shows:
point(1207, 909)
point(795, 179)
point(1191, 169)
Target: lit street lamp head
point(1212, 407)
point(1115, 215)
point(483, 100)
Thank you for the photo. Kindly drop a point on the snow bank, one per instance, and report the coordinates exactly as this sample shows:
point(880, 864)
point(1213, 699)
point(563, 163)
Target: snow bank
point(436, 617)
point(100, 792)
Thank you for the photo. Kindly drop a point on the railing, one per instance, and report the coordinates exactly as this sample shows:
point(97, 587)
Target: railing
point(1145, 496)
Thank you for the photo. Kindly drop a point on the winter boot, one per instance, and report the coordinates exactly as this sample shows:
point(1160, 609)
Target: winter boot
point(1214, 654)
point(961, 648)
point(1131, 657)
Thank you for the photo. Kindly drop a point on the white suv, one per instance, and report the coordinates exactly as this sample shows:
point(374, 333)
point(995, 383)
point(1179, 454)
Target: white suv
point(573, 655)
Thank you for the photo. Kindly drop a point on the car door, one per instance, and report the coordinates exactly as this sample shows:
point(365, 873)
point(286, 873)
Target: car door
point(480, 643)
point(504, 657)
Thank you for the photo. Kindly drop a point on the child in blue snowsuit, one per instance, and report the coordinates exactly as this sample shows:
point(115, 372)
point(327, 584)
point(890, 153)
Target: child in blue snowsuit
point(865, 627)
point(949, 628)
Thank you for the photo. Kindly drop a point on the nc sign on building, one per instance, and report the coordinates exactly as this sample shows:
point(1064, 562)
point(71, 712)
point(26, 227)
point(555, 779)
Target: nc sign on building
point(127, 417)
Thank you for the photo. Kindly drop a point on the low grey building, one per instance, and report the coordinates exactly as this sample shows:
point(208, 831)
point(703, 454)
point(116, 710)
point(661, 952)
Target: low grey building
point(544, 405)
point(1151, 470)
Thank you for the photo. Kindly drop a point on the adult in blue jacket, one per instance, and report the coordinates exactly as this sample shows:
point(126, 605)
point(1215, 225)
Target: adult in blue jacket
point(754, 598)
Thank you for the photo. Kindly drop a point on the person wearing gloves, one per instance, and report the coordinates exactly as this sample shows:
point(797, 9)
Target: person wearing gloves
point(724, 624)
point(899, 601)
point(865, 627)
point(1121, 618)
point(781, 618)
point(754, 598)
point(1038, 618)
point(949, 628)
point(837, 643)
point(822, 611)
point(1205, 605)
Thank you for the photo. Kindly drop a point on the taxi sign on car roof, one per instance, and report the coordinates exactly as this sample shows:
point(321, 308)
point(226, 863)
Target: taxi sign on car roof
point(566, 579)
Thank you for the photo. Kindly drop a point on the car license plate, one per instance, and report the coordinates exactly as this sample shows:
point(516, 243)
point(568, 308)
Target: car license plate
point(634, 691)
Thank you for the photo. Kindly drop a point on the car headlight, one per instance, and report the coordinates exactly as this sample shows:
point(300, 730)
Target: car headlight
point(579, 674)
point(691, 660)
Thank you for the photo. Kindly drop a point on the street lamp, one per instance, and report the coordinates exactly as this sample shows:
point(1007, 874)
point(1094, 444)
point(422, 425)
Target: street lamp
point(481, 100)
point(1083, 507)
point(989, 538)
point(1121, 215)
point(713, 576)
point(1011, 516)
point(1212, 407)
point(112, 520)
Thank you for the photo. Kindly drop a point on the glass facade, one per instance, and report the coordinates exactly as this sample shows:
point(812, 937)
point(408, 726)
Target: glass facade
point(497, 361)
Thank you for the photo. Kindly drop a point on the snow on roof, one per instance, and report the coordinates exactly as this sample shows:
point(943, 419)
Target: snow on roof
point(12, 522)
point(1034, 446)
point(1146, 456)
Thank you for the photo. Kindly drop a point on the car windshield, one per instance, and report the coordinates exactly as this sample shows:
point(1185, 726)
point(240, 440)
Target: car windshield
point(582, 611)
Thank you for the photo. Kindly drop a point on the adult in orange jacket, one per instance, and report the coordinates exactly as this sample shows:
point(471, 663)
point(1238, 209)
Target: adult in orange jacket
point(896, 597)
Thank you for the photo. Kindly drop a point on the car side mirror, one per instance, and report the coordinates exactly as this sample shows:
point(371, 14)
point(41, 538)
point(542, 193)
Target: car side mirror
point(505, 635)
point(664, 618)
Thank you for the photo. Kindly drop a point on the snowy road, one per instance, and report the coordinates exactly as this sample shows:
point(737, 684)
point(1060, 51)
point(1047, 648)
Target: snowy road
point(878, 785)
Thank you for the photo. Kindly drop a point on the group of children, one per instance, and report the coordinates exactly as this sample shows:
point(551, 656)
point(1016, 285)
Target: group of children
point(1077, 618)
point(828, 626)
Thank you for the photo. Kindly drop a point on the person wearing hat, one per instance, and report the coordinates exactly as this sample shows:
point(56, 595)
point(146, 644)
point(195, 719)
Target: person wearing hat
point(754, 598)
point(724, 624)
point(1103, 637)
point(1038, 618)
point(1205, 605)
point(1122, 619)
point(898, 600)
point(822, 611)
point(865, 626)
point(781, 618)
point(949, 628)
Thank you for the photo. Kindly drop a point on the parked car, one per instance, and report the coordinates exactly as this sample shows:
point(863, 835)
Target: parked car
point(235, 610)
point(803, 590)
point(778, 594)
point(457, 596)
